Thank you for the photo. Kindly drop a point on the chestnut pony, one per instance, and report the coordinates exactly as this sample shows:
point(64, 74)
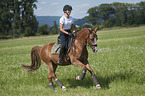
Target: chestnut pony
point(78, 56)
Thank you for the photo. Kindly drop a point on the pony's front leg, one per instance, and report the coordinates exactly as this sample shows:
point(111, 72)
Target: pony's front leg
point(82, 75)
point(94, 78)
point(86, 67)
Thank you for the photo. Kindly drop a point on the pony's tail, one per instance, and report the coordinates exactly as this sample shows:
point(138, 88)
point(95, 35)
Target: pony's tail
point(35, 60)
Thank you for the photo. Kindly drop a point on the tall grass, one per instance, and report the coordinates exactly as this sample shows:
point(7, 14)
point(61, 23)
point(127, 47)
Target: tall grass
point(119, 66)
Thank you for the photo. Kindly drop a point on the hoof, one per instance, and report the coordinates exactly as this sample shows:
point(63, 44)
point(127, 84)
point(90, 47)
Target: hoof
point(98, 86)
point(63, 88)
point(78, 78)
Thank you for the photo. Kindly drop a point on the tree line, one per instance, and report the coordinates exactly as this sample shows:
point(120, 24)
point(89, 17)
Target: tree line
point(17, 17)
point(117, 14)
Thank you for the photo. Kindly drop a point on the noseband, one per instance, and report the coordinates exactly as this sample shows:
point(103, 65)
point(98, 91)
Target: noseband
point(95, 45)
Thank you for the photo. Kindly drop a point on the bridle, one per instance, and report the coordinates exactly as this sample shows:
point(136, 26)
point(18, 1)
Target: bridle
point(86, 44)
point(95, 38)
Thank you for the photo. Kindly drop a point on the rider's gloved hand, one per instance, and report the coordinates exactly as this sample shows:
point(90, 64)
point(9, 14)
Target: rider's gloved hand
point(70, 34)
point(75, 34)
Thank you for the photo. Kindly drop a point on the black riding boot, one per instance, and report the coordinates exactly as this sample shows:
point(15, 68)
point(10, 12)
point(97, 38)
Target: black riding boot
point(61, 54)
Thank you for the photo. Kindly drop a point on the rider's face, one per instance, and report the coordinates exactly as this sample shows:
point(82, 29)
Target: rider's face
point(68, 12)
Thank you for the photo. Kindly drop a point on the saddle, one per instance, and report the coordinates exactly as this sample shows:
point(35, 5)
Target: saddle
point(56, 47)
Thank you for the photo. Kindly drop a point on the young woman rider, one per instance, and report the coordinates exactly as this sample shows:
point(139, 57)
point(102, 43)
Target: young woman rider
point(66, 28)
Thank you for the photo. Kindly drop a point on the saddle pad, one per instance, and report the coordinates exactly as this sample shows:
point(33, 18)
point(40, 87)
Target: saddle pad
point(55, 49)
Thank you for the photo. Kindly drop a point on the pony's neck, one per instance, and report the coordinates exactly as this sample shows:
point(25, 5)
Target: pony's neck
point(83, 34)
point(82, 37)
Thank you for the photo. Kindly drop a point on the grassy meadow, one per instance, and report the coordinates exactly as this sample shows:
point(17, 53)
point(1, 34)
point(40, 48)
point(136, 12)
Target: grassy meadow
point(119, 66)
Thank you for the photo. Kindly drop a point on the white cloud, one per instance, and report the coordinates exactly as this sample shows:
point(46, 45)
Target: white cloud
point(83, 12)
point(54, 4)
point(43, 2)
point(83, 5)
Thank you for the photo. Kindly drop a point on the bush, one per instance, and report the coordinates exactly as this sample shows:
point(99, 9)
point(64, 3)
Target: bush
point(29, 32)
point(43, 30)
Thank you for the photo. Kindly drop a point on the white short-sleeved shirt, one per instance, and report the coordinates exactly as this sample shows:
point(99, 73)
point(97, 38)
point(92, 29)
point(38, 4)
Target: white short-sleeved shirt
point(66, 22)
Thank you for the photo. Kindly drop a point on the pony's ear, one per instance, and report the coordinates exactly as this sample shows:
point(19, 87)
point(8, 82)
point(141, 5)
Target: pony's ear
point(96, 30)
point(90, 30)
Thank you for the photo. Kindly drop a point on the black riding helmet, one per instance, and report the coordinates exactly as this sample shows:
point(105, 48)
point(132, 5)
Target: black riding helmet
point(67, 7)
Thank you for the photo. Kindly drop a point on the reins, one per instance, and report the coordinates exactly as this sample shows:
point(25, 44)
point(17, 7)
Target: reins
point(86, 43)
point(83, 42)
point(73, 38)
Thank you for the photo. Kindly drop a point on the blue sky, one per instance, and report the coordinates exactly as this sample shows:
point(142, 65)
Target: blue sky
point(80, 7)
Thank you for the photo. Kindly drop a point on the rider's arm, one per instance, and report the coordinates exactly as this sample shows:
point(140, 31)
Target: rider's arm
point(61, 29)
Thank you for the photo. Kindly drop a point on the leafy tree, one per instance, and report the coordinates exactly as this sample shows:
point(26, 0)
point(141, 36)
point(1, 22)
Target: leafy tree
point(106, 10)
point(43, 30)
point(54, 28)
point(5, 16)
point(29, 32)
point(94, 15)
point(140, 15)
point(130, 17)
point(121, 13)
point(118, 14)
point(16, 28)
point(28, 18)
point(16, 16)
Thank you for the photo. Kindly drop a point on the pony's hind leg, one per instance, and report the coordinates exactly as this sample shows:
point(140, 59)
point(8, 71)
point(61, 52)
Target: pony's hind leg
point(52, 68)
point(51, 75)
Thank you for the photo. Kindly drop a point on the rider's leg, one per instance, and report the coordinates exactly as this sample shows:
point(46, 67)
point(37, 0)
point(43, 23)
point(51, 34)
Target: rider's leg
point(62, 48)
point(61, 54)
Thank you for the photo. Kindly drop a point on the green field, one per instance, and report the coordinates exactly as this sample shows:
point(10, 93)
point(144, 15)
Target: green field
point(119, 66)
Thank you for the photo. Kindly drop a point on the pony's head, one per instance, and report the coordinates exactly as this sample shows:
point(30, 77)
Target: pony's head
point(92, 39)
